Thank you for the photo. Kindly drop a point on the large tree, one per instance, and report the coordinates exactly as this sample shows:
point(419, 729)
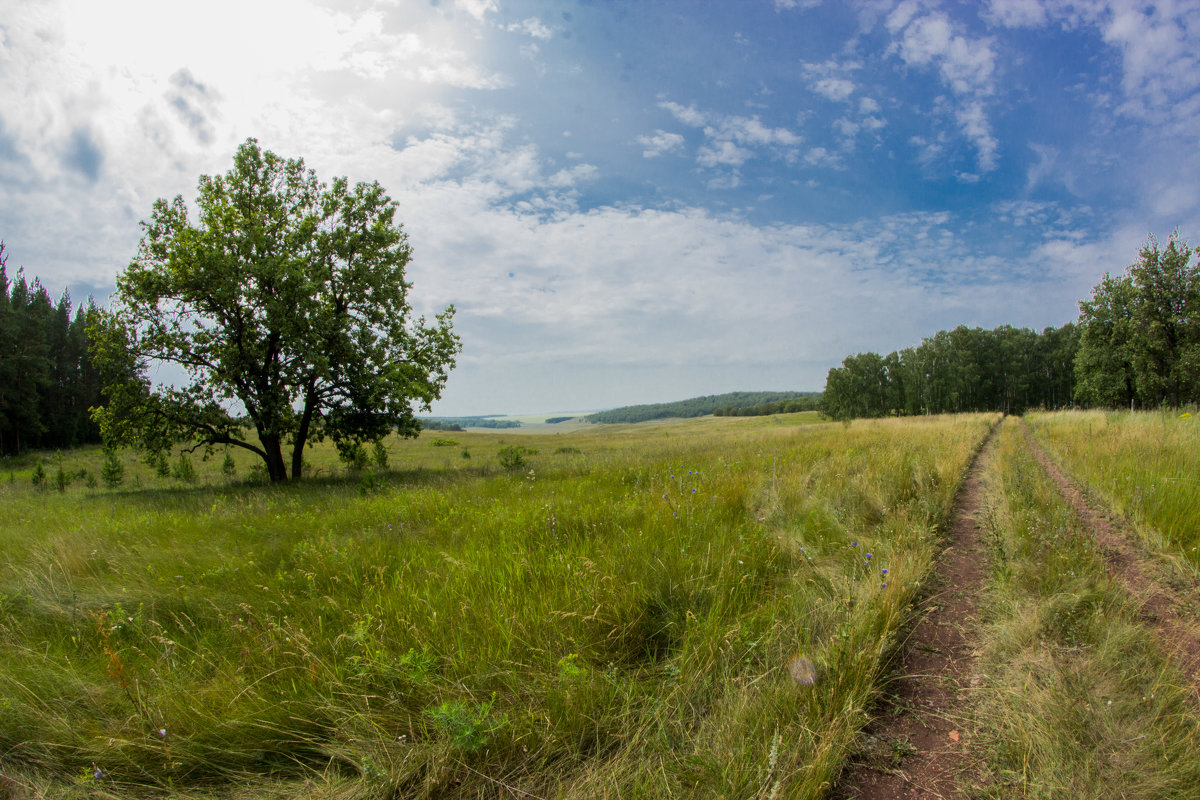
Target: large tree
point(1140, 331)
point(285, 301)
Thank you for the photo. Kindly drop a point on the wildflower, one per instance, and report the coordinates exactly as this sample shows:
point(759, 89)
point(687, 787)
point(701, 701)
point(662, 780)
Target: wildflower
point(869, 556)
point(885, 586)
point(162, 733)
point(853, 544)
point(883, 571)
point(97, 773)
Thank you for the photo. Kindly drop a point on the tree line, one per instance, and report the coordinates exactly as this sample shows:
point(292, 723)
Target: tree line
point(48, 383)
point(966, 369)
point(692, 407)
point(1137, 343)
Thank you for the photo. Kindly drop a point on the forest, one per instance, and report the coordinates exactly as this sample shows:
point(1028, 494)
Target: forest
point(692, 407)
point(1136, 344)
point(47, 381)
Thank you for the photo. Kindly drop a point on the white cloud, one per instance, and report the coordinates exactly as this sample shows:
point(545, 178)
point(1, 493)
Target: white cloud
point(792, 5)
point(820, 157)
point(966, 66)
point(974, 124)
point(661, 142)
point(722, 153)
point(531, 27)
point(867, 105)
point(1017, 13)
point(477, 8)
point(688, 115)
point(836, 89)
point(730, 139)
point(829, 80)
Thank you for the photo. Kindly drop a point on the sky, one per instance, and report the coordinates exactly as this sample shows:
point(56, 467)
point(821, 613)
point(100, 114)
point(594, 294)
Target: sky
point(633, 202)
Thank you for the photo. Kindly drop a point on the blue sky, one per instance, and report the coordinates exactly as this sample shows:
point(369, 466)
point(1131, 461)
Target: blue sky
point(636, 201)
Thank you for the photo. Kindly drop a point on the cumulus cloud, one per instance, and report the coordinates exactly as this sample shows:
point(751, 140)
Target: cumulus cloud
point(730, 139)
point(661, 142)
point(829, 80)
point(531, 26)
point(965, 65)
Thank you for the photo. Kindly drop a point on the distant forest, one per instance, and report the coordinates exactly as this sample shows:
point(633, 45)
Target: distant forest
point(1137, 344)
point(47, 382)
point(697, 406)
point(459, 423)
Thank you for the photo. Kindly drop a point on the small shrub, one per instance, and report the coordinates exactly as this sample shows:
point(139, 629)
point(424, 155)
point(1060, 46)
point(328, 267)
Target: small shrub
point(466, 453)
point(511, 458)
point(159, 461)
point(39, 476)
point(369, 482)
point(183, 469)
point(258, 474)
point(569, 451)
point(112, 472)
point(443, 443)
point(62, 478)
point(468, 726)
point(228, 468)
point(91, 481)
point(380, 455)
point(353, 456)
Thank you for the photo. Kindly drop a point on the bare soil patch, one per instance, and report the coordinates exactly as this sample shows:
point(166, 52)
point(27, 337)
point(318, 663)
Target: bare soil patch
point(919, 746)
point(1170, 610)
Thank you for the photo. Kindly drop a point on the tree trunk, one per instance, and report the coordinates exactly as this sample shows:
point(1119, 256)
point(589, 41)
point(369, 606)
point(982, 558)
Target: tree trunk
point(276, 468)
point(310, 405)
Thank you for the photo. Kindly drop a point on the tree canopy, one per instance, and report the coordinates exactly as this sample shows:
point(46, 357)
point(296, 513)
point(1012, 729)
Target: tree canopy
point(285, 307)
point(1140, 337)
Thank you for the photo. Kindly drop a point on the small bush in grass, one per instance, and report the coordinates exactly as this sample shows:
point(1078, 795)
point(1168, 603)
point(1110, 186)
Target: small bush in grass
point(159, 462)
point(443, 443)
point(468, 726)
point(466, 453)
point(368, 482)
point(183, 469)
point(512, 458)
point(228, 468)
point(39, 476)
point(62, 478)
point(353, 456)
point(380, 455)
point(112, 471)
point(568, 451)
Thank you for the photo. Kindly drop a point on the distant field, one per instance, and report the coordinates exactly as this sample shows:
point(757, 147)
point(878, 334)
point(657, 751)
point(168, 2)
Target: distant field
point(691, 609)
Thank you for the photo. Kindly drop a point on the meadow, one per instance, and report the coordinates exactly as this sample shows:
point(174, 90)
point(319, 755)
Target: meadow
point(1076, 695)
point(703, 608)
point(1143, 466)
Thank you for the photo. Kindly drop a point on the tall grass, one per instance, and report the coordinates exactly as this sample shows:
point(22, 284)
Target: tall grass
point(1075, 698)
point(1142, 465)
point(697, 609)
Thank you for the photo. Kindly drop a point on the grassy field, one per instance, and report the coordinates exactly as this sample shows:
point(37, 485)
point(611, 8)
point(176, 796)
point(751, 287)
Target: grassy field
point(694, 609)
point(1144, 466)
point(1075, 697)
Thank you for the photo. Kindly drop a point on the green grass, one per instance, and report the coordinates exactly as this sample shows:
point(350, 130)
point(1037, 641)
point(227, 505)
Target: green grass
point(1076, 697)
point(614, 618)
point(1144, 466)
